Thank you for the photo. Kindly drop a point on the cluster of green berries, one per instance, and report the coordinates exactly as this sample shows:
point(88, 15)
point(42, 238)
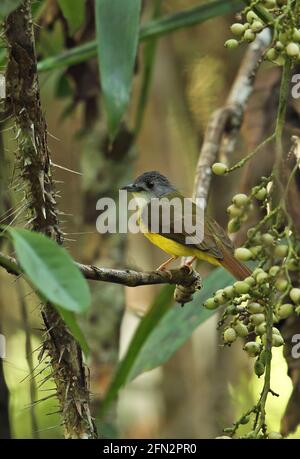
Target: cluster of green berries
point(286, 34)
point(246, 31)
point(242, 205)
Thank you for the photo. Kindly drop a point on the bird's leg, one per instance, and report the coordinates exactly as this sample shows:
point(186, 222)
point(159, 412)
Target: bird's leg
point(189, 263)
point(163, 266)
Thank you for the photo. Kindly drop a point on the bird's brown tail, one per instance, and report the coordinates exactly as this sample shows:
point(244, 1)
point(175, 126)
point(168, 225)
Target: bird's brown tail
point(237, 269)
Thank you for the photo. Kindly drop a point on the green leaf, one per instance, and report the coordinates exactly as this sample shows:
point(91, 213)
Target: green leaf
point(177, 326)
point(189, 17)
point(74, 13)
point(161, 304)
point(117, 26)
point(163, 330)
point(70, 320)
point(8, 6)
point(51, 270)
point(152, 29)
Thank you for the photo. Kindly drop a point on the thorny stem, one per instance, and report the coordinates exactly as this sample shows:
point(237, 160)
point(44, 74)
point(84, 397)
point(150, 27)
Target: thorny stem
point(33, 160)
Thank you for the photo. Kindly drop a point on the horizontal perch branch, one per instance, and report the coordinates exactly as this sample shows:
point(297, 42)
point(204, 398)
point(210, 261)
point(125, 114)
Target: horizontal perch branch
point(128, 277)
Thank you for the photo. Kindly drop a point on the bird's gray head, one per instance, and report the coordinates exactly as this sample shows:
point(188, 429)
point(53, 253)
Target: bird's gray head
point(150, 185)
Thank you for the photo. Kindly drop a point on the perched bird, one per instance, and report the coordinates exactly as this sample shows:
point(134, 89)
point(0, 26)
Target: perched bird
point(214, 246)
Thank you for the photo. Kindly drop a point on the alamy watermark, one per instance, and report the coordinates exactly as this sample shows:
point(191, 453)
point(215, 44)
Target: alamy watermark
point(296, 87)
point(2, 347)
point(158, 215)
point(2, 86)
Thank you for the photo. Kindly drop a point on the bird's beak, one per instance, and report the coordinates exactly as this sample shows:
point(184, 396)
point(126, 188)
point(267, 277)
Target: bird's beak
point(131, 187)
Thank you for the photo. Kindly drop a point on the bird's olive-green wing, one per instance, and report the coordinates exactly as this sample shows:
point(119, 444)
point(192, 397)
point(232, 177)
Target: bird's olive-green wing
point(211, 239)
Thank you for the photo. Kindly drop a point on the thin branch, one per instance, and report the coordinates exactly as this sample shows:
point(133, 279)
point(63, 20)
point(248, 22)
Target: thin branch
point(128, 277)
point(224, 125)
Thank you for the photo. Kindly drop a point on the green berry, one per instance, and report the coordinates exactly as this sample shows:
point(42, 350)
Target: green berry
point(255, 308)
point(241, 287)
point(233, 225)
point(237, 28)
point(234, 211)
point(259, 368)
point(261, 277)
point(251, 16)
point(260, 329)
point(257, 26)
point(271, 55)
point(256, 271)
point(255, 250)
point(296, 35)
point(220, 168)
point(281, 251)
point(261, 193)
point(245, 420)
point(250, 280)
point(229, 335)
point(277, 340)
point(252, 348)
point(243, 254)
point(231, 44)
point(257, 319)
point(285, 310)
point(279, 46)
point(281, 285)
point(295, 295)
point(249, 36)
point(220, 298)
point(292, 49)
point(241, 329)
point(229, 291)
point(267, 239)
point(240, 199)
point(210, 303)
point(274, 270)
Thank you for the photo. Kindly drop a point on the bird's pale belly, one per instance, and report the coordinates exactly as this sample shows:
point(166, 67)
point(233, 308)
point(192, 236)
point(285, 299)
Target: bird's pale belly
point(179, 250)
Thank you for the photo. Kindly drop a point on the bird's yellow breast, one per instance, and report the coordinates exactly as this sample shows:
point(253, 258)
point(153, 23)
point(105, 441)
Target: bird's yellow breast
point(179, 250)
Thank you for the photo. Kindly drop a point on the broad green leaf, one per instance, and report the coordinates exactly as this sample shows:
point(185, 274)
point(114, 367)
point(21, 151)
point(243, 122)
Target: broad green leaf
point(117, 26)
point(8, 6)
point(177, 325)
point(163, 330)
point(70, 320)
point(51, 270)
point(152, 29)
point(74, 13)
point(161, 304)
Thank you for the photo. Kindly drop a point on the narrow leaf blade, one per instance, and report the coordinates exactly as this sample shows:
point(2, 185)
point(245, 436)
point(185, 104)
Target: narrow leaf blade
point(117, 26)
point(159, 307)
point(163, 330)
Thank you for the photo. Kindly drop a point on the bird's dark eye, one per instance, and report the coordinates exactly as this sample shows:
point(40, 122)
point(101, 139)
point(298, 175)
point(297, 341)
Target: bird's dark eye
point(150, 184)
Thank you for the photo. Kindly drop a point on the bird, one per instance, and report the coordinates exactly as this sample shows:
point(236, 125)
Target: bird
point(214, 246)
